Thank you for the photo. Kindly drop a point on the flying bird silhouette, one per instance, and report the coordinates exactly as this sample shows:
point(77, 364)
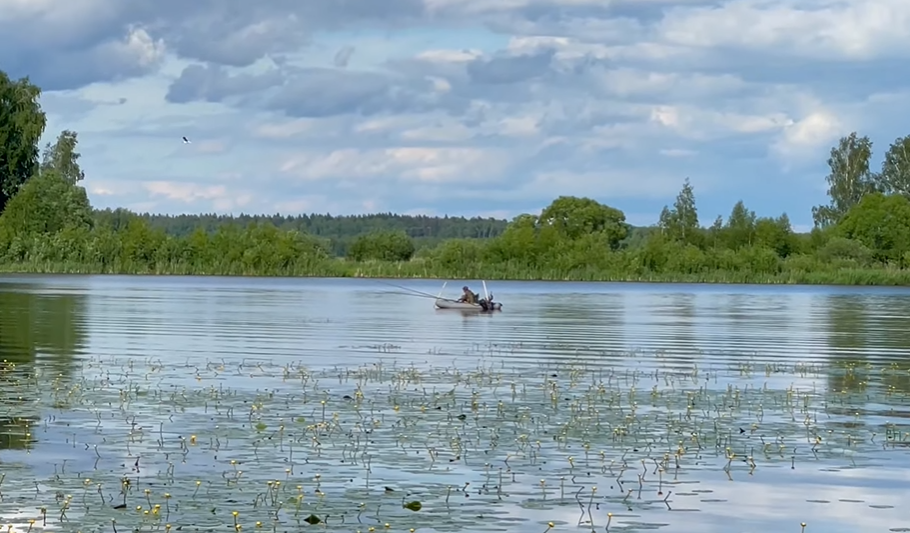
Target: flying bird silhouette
point(186, 141)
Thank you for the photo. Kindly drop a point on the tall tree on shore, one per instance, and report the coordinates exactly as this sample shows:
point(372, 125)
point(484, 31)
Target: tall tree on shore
point(62, 157)
point(895, 175)
point(740, 227)
point(22, 123)
point(849, 179)
point(681, 222)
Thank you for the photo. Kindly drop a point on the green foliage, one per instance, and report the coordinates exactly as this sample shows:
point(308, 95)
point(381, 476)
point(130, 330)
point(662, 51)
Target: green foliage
point(850, 178)
point(740, 229)
point(894, 177)
point(22, 123)
point(776, 234)
point(845, 252)
point(338, 231)
point(62, 157)
point(573, 218)
point(681, 222)
point(46, 204)
point(382, 246)
point(880, 223)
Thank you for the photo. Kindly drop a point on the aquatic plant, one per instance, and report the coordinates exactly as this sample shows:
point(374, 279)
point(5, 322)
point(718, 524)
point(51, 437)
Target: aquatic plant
point(130, 445)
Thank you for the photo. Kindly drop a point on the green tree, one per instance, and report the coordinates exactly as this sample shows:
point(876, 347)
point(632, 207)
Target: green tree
point(22, 123)
point(574, 217)
point(338, 231)
point(46, 204)
point(881, 223)
point(849, 179)
point(776, 234)
point(382, 246)
point(843, 252)
point(117, 219)
point(740, 228)
point(895, 175)
point(655, 253)
point(62, 157)
point(519, 242)
point(716, 232)
point(458, 254)
point(817, 238)
point(139, 245)
point(681, 222)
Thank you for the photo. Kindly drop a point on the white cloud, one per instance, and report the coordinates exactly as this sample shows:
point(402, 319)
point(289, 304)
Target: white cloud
point(677, 152)
point(414, 164)
point(632, 82)
point(809, 135)
point(449, 56)
point(455, 132)
point(518, 127)
point(220, 197)
point(210, 147)
point(508, 103)
point(608, 184)
point(101, 191)
point(139, 46)
point(185, 192)
point(285, 129)
point(854, 30)
point(705, 124)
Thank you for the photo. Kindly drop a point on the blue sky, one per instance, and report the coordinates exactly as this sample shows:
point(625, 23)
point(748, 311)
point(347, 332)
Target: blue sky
point(463, 107)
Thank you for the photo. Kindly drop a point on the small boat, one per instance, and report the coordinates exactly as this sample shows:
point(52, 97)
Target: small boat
point(485, 305)
point(443, 303)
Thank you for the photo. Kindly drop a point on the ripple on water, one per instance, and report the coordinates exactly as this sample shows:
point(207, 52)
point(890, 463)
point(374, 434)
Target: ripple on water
point(649, 391)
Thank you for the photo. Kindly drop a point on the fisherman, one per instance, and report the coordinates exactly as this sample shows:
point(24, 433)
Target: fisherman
point(468, 297)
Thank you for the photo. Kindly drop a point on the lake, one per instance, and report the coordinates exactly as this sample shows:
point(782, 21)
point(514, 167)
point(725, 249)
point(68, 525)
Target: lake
point(158, 403)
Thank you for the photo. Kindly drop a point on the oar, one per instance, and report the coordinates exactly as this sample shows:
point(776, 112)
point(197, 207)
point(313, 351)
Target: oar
point(438, 296)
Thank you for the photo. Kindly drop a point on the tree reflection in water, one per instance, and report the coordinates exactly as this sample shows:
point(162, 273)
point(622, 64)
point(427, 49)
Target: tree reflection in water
point(37, 328)
point(867, 338)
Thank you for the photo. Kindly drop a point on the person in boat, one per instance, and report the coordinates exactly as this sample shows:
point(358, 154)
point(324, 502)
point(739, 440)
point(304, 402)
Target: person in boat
point(468, 296)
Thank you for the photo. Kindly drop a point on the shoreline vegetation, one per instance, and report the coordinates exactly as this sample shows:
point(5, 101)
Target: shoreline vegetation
point(391, 271)
point(48, 226)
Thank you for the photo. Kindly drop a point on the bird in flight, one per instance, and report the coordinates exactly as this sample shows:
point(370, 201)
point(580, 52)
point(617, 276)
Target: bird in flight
point(186, 141)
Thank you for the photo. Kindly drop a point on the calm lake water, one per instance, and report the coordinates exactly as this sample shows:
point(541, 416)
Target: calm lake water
point(754, 407)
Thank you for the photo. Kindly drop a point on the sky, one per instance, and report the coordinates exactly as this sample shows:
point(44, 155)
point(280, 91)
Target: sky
point(462, 107)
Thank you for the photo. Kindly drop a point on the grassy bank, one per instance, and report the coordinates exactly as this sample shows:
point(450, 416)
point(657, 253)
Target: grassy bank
point(422, 269)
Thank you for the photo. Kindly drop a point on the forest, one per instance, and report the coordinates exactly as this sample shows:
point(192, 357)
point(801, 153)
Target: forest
point(47, 225)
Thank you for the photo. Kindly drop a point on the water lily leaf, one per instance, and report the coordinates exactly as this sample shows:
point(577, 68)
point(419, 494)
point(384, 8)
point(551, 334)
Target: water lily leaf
point(413, 506)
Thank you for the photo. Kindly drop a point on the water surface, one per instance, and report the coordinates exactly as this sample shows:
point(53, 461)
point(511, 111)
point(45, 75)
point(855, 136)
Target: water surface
point(800, 390)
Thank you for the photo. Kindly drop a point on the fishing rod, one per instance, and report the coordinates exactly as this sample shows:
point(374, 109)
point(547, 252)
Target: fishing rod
point(415, 292)
point(409, 294)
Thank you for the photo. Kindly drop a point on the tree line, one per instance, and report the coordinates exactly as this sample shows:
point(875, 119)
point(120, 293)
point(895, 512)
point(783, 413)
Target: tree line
point(339, 231)
point(862, 236)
